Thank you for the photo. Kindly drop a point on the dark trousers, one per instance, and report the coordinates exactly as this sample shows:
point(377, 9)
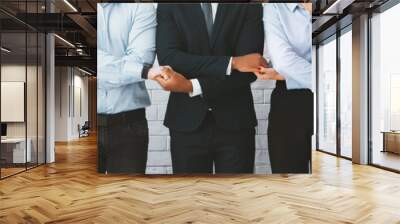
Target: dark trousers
point(122, 142)
point(208, 146)
point(290, 128)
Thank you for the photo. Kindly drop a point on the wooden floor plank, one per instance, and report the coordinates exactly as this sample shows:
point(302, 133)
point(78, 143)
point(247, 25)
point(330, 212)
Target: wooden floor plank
point(71, 191)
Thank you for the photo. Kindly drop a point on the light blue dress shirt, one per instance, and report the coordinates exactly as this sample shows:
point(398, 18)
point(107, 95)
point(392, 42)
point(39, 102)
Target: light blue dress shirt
point(287, 29)
point(125, 42)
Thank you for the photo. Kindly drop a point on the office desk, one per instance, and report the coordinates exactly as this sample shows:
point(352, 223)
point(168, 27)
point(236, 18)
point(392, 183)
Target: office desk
point(13, 150)
point(391, 141)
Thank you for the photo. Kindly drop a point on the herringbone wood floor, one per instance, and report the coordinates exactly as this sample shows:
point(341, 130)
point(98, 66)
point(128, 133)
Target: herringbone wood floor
point(70, 191)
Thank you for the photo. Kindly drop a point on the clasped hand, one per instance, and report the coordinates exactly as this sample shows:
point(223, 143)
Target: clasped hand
point(170, 80)
point(255, 63)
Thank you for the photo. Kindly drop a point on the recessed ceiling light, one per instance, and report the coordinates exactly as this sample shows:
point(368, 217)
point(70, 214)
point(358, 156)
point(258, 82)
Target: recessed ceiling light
point(5, 50)
point(338, 6)
point(84, 71)
point(70, 5)
point(64, 40)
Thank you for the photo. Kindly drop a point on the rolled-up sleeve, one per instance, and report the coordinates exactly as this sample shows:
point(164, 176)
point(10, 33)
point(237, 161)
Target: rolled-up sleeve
point(296, 70)
point(116, 71)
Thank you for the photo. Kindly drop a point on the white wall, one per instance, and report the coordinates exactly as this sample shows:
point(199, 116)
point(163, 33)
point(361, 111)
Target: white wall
point(13, 100)
point(80, 92)
point(16, 72)
point(61, 103)
point(70, 83)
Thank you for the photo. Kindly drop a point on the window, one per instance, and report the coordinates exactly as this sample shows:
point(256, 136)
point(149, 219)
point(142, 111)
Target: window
point(327, 97)
point(346, 75)
point(14, 143)
point(22, 77)
point(385, 89)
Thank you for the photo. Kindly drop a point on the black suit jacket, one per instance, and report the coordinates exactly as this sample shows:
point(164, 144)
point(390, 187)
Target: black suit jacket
point(183, 43)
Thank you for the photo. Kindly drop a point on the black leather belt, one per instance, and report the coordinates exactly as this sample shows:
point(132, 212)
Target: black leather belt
point(121, 118)
point(280, 87)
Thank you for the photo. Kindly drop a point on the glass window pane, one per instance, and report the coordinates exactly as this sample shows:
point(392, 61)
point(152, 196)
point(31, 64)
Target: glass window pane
point(32, 87)
point(327, 97)
point(23, 86)
point(41, 98)
point(31, 97)
point(14, 153)
point(385, 84)
point(346, 94)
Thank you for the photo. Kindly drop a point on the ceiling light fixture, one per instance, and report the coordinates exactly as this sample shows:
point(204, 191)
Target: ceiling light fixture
point(65, 41)
point(70, 5)
point(5, 50)
point(84, 71)
point(337, 7)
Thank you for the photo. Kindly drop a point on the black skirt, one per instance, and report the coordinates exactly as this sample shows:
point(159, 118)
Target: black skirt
point(290, 129)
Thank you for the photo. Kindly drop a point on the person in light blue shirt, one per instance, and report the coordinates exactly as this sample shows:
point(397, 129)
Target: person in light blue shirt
point(287, 28)
point(125, 54)
point(126, 42)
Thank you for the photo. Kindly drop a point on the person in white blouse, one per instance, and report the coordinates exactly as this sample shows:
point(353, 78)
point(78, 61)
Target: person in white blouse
point(287, 28)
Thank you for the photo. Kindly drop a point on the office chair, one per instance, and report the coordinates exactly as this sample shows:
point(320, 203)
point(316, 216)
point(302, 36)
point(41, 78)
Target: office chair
point(84, 130)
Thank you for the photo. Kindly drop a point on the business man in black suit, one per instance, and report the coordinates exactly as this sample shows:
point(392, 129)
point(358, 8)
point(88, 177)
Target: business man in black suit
point(210, 112)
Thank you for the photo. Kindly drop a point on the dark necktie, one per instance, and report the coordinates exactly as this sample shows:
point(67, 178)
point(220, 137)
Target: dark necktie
point(208, 16)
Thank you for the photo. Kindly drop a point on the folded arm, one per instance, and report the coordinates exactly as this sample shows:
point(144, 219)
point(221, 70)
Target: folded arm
point(209, 73)
point(116, 71)
point(295, 69)
point(250, 43)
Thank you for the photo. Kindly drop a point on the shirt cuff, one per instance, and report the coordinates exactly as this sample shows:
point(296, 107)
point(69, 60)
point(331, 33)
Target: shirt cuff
point(229, 69)
point(196, 88)
point(294, 84)
point(135, 69)
point(145, 71)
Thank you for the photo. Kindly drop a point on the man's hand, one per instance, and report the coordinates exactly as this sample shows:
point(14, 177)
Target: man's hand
point(173, 81)
point(249, 62)
point(268, 74)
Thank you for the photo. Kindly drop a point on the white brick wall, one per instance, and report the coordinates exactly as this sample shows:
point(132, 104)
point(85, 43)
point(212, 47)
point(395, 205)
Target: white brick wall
point(261, 93)
point(159, 157)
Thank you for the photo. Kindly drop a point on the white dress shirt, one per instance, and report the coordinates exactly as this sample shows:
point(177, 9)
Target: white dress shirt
point(125, 42)
point(288, 42)
point(195, 82)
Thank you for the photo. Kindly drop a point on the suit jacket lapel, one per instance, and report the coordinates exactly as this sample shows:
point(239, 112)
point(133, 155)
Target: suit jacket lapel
point(219, 21)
